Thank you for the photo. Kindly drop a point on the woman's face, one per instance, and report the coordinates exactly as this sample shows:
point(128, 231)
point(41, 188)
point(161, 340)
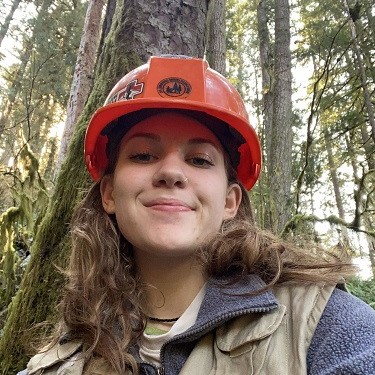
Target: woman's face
point(169, 190)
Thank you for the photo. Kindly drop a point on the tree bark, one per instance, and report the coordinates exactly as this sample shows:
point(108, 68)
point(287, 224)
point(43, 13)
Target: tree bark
point(215, 41)
point(8, 19)
point(366, 218)
point(279, 153)
point(266, 63)
point(366, 92)
point(107, 22)
point(336, 188)
point(83, 75)
point(139, 28)
point(368, 223)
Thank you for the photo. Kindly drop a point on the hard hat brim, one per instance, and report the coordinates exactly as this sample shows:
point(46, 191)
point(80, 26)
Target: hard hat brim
point(105, 115)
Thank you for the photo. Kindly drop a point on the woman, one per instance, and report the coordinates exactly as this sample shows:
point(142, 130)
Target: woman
point(168, 273)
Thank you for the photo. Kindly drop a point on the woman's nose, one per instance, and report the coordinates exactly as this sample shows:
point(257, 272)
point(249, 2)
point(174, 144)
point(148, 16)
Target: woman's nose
point(170, 172)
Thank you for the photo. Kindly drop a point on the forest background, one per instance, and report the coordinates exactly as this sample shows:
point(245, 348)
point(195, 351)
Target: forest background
point(305, 68)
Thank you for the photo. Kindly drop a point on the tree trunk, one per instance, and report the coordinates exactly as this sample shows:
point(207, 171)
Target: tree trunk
point(266, 62)
point(139, 28)
point(368, 223)
point(362, 71)
point(368, 146)
point(83, 75)
point(8, 19)
point(215, 41)
point(371, 22)
point(279, 154)
point(366, 218)
point(336, 188)
point(107, 22)
point(366, 141)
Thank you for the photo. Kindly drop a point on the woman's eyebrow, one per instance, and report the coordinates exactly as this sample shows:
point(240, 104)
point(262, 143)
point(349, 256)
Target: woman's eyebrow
point(158, 138)
point(195, 141)
point(152, 136)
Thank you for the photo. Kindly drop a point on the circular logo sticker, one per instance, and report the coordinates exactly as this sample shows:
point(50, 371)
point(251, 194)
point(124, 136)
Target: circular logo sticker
point(174, 87)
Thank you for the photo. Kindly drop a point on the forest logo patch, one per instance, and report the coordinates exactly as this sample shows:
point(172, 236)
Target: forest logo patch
point(174, 87)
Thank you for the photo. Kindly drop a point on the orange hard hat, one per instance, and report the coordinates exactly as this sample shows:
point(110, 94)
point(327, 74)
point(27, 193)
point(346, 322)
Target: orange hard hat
point(177, 83)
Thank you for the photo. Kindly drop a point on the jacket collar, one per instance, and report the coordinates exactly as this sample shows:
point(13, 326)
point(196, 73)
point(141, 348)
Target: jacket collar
point(224, 301)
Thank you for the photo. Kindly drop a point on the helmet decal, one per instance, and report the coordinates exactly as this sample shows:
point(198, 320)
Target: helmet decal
point(174, 87)
point(132, 89)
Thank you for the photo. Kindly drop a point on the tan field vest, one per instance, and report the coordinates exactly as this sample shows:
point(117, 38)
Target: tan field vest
point(270, 343)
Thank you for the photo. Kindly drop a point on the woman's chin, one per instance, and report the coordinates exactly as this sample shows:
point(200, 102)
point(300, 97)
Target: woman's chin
point(167, 248)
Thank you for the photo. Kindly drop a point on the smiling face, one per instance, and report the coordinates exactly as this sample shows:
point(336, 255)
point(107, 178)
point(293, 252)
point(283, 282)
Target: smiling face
point(169, 190)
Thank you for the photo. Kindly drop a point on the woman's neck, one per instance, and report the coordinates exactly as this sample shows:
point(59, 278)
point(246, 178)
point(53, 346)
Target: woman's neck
point(171, 284)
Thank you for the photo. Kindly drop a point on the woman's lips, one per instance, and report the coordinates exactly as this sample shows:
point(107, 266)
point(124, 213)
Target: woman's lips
point(168, 205)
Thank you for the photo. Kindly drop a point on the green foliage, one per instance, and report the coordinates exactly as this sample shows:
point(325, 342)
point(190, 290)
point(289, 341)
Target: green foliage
point(241, 18)
point(363, 289)
point(17, 223)
point(38, 84)
point(338, 109)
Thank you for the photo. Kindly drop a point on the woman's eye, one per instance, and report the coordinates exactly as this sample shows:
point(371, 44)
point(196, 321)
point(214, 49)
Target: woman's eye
point(201, 161)
point(142, 157)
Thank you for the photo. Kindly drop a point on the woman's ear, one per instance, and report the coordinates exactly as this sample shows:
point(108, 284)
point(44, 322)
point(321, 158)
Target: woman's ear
point(233, 200)
point(106, 191)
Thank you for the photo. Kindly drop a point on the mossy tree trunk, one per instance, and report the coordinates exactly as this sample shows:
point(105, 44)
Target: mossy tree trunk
point(83, 75)
point(138, 29)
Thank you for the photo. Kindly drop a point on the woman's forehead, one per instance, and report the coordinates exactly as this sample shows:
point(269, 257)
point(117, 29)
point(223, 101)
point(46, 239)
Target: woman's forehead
point(172, 125)
point(176, 121)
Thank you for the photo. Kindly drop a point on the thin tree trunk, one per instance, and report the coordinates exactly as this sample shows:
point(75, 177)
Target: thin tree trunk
point(371, 22)
point(266, 62)
point(8, 19)
point(215, 30)
point(366, 43)
point(83, 74)
point(368, 143)
point(361, 67)
point(367, 222)
point(336, 188)
point(366, 140)
point(280, 153)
